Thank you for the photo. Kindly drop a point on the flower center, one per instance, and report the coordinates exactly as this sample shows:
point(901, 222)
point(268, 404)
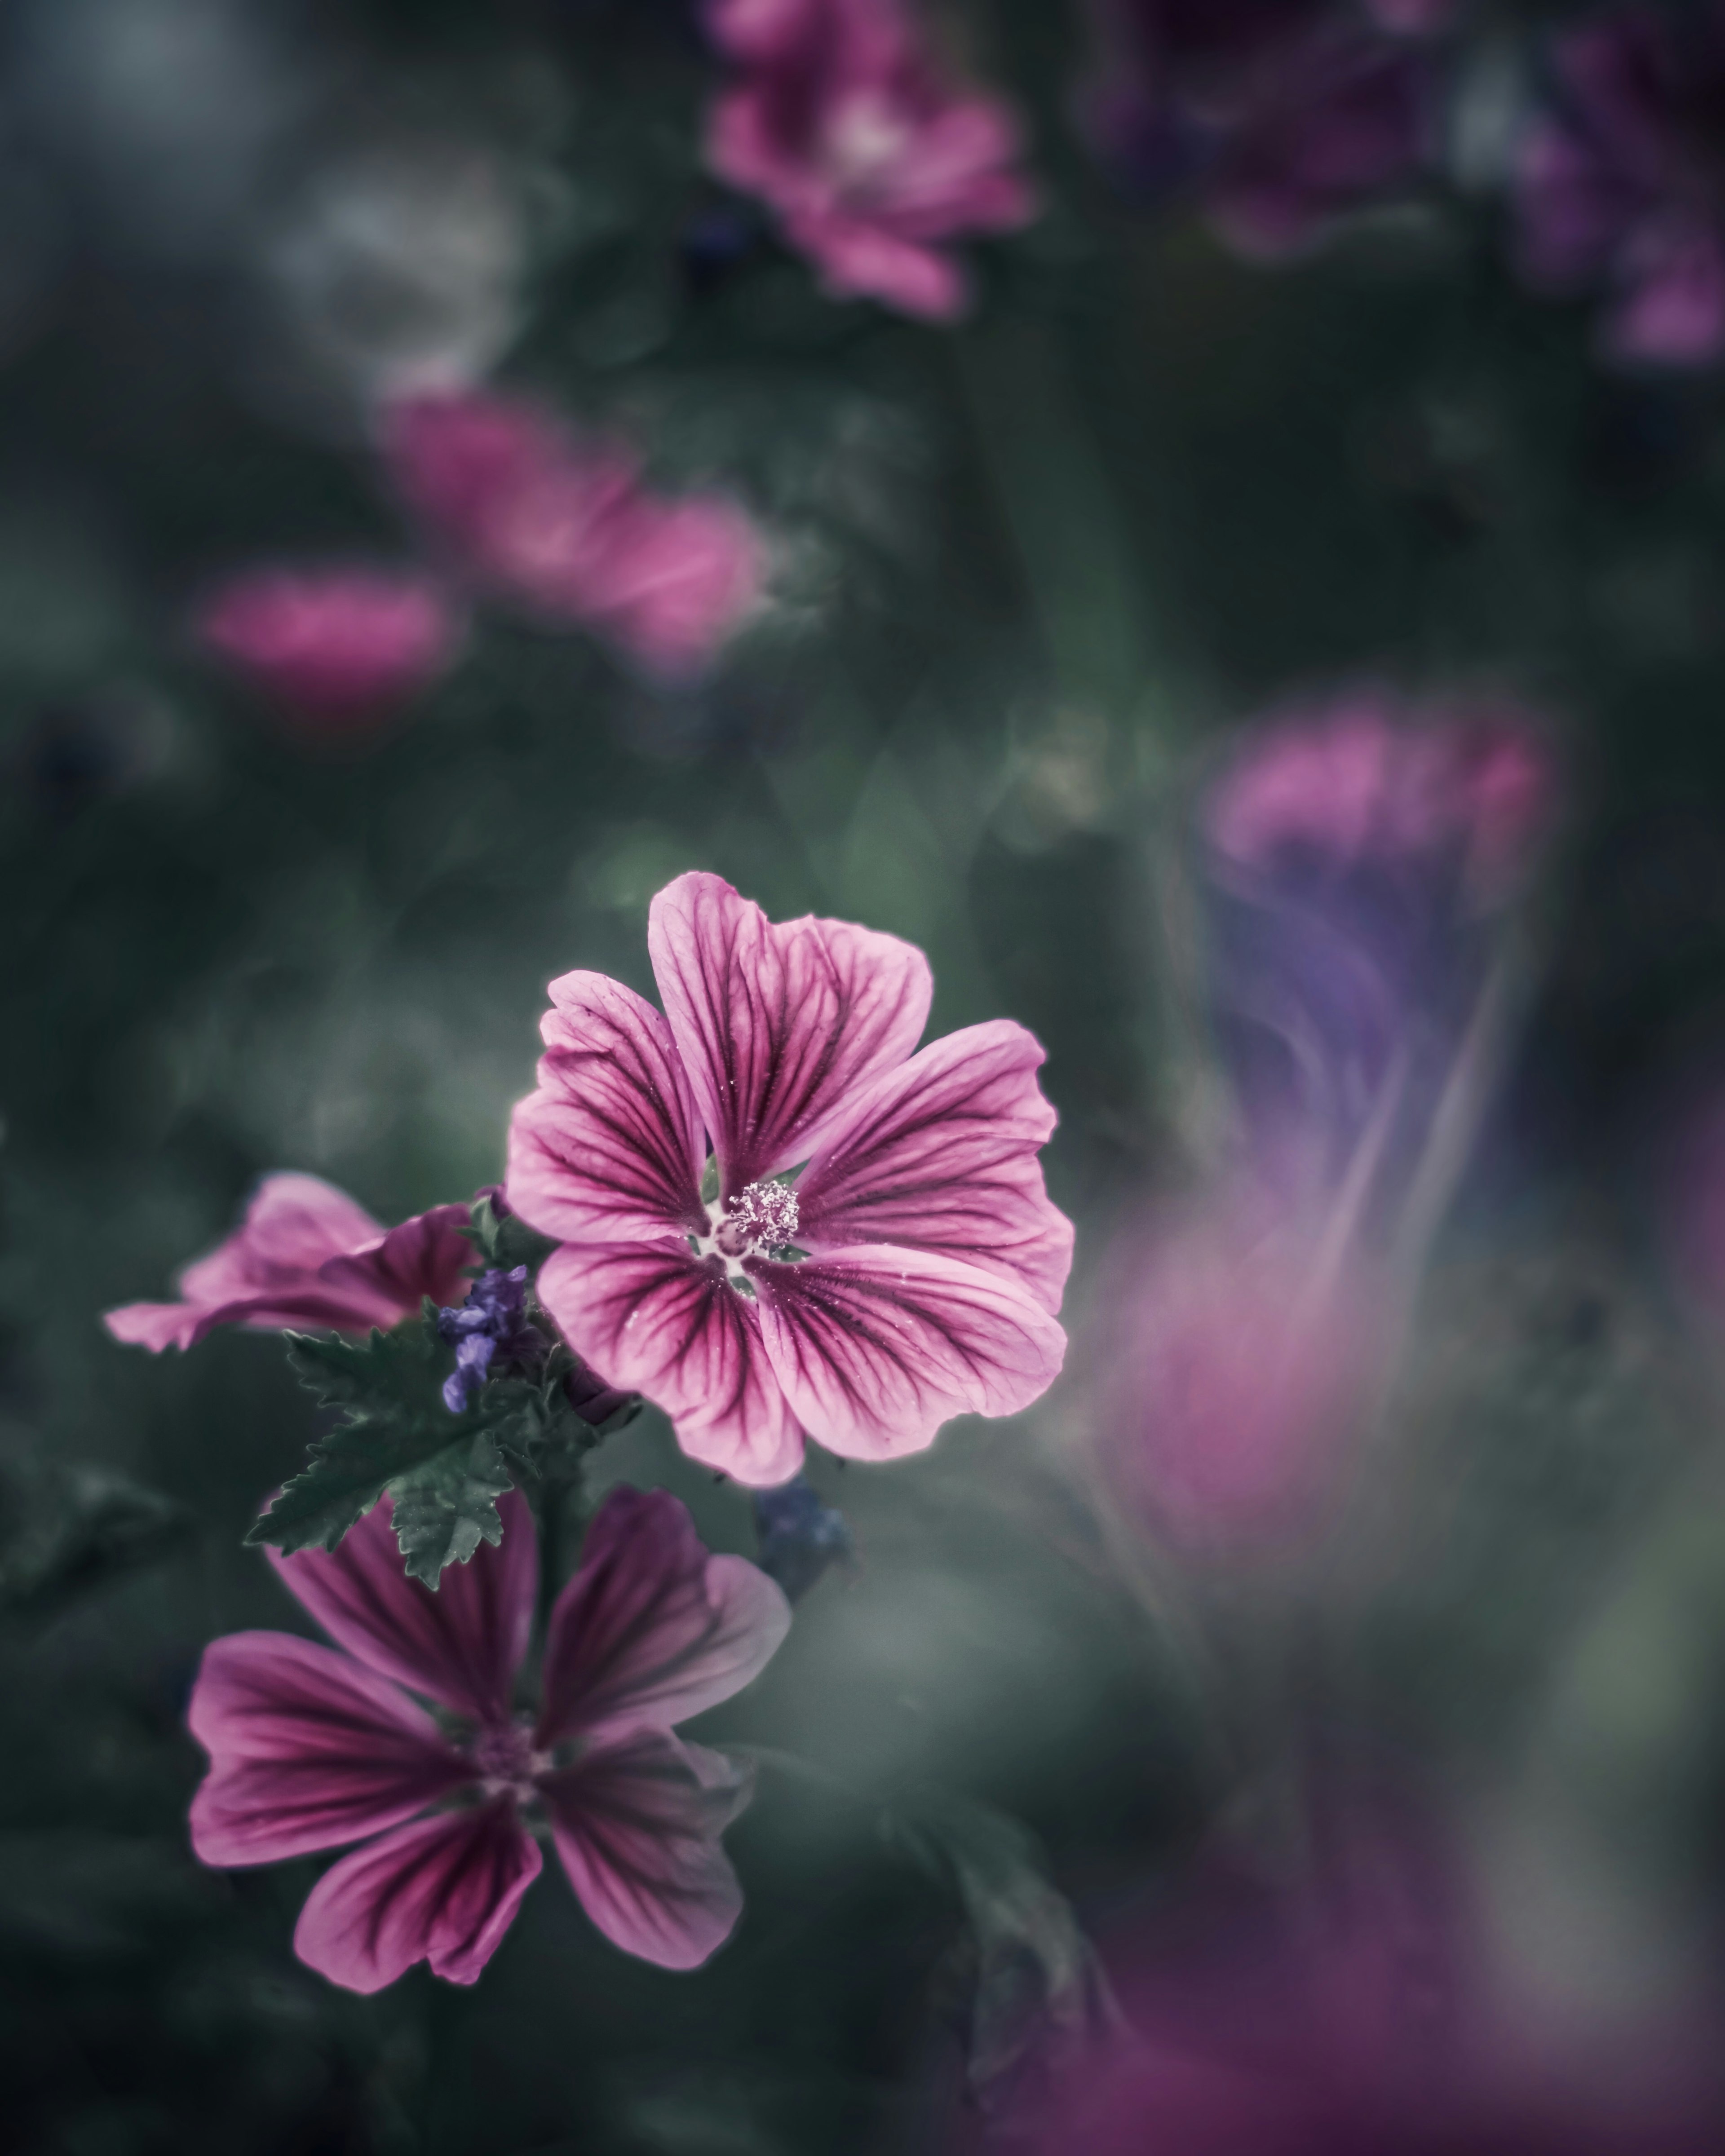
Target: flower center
point(504, 1758)
point(763, 1217)
point(864, 139)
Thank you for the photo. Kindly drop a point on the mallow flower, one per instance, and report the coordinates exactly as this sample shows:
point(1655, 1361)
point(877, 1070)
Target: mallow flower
point(1619, 182)
point(872, 158)
point(1279, 116)
point(312, 1746)
point(869, 1251)
point(335, 648)
point(307, 1256)
point(1355, 868)
point(564, 528)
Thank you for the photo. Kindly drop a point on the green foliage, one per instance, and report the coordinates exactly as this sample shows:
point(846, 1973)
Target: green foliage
point(66, 1531)
point(445, 1472)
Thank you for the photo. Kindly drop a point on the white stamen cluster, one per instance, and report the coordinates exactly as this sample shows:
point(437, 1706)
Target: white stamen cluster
point(761, 1218)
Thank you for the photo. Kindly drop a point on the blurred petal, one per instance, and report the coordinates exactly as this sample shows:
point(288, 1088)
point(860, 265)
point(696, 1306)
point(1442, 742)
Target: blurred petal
point(941, 1155)
point(444, 1890)
point(461, 1645)
point(427, 1255)
point(337, 646)
point(657, 1320)
point(280, 1268)
point(609, 1146)
point(637, 1824)
point(778, 1025)
point(877, 1346)
point(652, 1628)
point(678, 579)
point(306, 1750)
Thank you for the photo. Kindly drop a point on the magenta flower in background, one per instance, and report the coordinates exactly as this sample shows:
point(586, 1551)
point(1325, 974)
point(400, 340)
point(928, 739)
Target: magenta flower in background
point(1360, 2013)
point(336, 649)
point(872, 158)
point(910, 1273)
point(310, 1748)
point(1279, 116)
point(1234, 1356)
point(1620, 186)
point(1354, 868)
point(306, 1255)
point(564, 529)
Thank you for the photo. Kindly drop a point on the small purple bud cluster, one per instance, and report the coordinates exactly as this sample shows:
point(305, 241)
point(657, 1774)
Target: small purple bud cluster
point(493, 1319)
point(799, 1536)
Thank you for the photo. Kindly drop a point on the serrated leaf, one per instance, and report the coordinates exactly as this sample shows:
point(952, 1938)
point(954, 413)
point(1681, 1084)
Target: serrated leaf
point(395, 1427)
point(446, 1507)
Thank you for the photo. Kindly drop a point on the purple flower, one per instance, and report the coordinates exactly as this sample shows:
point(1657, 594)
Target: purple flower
point(1234, 1357)
point(1280, 115)
point(310, 1748)
point(1357, 857)
point(870, 155)
point(338, 649)
point(564, 529)
point(306, 1255)
point(493, 1321)
point(1354, 865)
point(911, 1271)
point(1620, 186)
point(1358, 2013)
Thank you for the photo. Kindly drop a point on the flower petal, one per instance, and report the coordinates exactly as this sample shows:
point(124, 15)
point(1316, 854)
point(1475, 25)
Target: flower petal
point(877, 1346)
point(305, 1255)
point(637, 1824)
point(941, 1155)
point(461, 1645)
point(609, 1146)
point(427, 1255)
point(444, 1889)
point(655, 1319)
point(778, 1025)
point(651, 1629)
point(306, 1750)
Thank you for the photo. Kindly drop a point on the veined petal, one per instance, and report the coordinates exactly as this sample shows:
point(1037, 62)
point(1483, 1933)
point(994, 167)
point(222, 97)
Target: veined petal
point(306, 1749)
point(651, 1629)
point(941, 1155)
point(778, 1025)
point(609, 1146)
point(655, 1319)
point(292, 1225)
point(877, 1346)
point(444, 1889)
point(425, 1256)
point(461, 1645)
point(637, 1824)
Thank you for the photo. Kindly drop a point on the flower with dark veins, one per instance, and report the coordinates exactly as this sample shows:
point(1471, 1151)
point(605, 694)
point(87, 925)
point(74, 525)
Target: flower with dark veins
point(310, 1748)
point(913, 1270)
point(306, 1257)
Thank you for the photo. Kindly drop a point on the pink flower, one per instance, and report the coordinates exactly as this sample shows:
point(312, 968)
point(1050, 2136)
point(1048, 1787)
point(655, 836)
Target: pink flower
point(337, 647)
point(310, 1748)
point(1620, 184)
point(1282, 116)
point(841, 121)
point(306, 1255)
point(1215, 1445)
point(910, 1273)
point(1361, 781)
point(564, 529)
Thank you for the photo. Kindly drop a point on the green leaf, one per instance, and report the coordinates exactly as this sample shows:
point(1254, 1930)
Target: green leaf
point(506, 1241)
point(446, 1508)
point(445, 1472)
point(395, 1432)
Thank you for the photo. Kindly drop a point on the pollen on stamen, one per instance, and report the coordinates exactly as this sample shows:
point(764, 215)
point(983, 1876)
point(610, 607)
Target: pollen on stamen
point(762, 1218)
